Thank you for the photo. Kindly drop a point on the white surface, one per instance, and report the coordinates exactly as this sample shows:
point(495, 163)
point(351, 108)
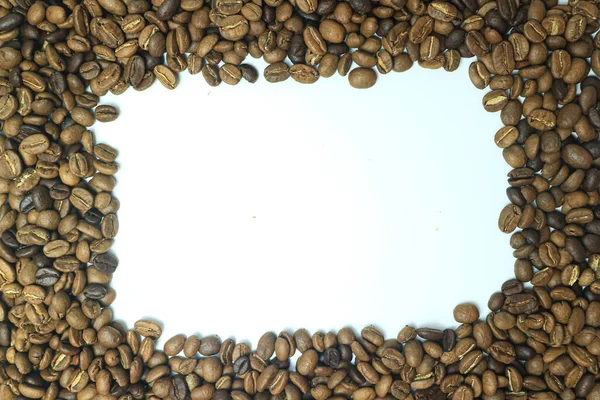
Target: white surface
point(274, 207)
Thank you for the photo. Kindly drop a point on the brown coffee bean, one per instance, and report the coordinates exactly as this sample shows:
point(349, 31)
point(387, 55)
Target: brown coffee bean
point(106, 113)
point(234, 27)
point(332, 31)
point(35, 144)
point(174, 345)
point(574, 155)
point(442, 11)
point(503, 58)
point(541, 119)
point(304, 73)
point(362, 78)
point(466, 313)
point(534, 31)
point(109, 337)
point(509, 218)
point(495, 100)
point(165, 76)
point(307, 362)
point(148, 328)
point(314, 41)
point(277, 72)
point(230, 74)
point(307, 6)
point(10, 165)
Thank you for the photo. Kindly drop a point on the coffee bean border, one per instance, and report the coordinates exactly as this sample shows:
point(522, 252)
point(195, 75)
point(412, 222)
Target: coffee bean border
point(58, 338)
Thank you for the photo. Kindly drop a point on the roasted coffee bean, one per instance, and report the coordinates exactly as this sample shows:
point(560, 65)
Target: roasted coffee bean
point(106, 262)
point(11, 21)
point(95, 291)
point(166, 76)
point(179, 388)
point(466, 313)
point(362, 78)
point(332, 357)
point(46, 276)
point(106, 113)
point(41, 198)
point(304, 73)
point(234, 27)
point(167, 9)
point(148, 328)
point(361, 6)
point(249, 73)
point(277, 72)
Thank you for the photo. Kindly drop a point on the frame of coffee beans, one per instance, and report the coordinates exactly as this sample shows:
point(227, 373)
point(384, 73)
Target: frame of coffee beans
point(537, 61)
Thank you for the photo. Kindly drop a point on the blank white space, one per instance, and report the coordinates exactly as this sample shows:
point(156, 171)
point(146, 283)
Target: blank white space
point(270, 207)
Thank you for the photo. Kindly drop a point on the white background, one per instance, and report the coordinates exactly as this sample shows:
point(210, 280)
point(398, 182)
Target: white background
point(279, 206)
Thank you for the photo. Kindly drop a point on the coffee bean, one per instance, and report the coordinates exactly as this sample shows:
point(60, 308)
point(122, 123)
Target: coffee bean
point(10, 165)
point(210, 345)
point(466, 313)
point(35, 144)
point(109, 337)
point(148, 328)
point(542, 120)
point(442, 11)
point(59, 192)
point(46, 276)
point(166, 76)
point(576, 156)
point(179, 389)
point(234, 27)
point(362, 78)
point(332, 31)
point(303, 73)
point(211, 75)
point(249, 73)
point(503, 58)
point(106, 113)
point(507, 9)
point(277, 72)
point(509, 218)
point(167, 9)
point(11, 21)
point(95, 291)
point(230, 74)
point(314, 41)
point(479, 75)
point(307, 362)
point(332, 357)
point(41, 198)
point(174, 345)
point(495, 100)
point(361, 6)
point(106, 262)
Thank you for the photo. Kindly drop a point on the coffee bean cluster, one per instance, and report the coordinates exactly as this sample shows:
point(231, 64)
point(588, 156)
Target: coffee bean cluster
point(538, 62)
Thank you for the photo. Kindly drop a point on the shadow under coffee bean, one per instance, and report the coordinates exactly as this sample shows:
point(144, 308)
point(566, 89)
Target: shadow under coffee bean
point(57, 341)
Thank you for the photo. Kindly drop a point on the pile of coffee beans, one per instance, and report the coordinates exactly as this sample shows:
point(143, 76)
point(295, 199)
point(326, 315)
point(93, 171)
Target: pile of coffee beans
point(58, 337)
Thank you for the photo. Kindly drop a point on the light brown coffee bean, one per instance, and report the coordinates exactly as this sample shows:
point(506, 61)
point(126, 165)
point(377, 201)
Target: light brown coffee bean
point(362, 78)
point(509, 218)
point(277, 72)
point(166, 76)
point(234, 27)
point(148, 328)
point(466, 313)
point(495, 100)
point(106, 113)
point(304, 73)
